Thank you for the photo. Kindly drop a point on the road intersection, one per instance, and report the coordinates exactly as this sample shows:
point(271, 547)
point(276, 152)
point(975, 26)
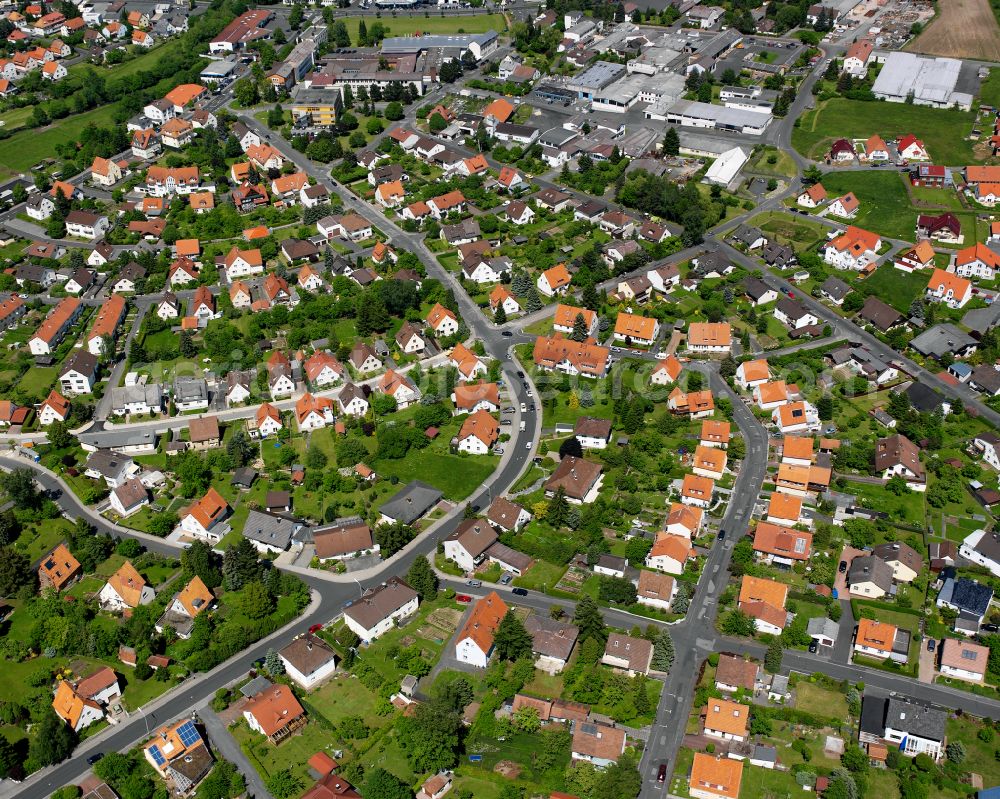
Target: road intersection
point(694, 636)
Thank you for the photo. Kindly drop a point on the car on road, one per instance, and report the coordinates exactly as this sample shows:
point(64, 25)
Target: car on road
point(520, 373)
point(931, 644)
point(507, 334)
point(722, 535)
point(463, 598)
point(661, 773)
point(524, 407)
point(520, 591)
point(94, 758)
point(842, 567)
point(315, 628)
point(813, 646)
point(505, 580)
point(527, 445)
point(990, 628)
point(474, 583)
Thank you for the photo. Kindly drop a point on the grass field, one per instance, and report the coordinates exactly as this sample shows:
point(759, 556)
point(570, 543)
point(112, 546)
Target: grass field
point(989, 89)
point(540, 574)
point(816, 699)
point(404, 26)
point(885, 205)
point(942, 130)
point(27, 147)
point(801, 233)
point(455, 476)
point(145, 61)
point(894, 286)
point(961, 29)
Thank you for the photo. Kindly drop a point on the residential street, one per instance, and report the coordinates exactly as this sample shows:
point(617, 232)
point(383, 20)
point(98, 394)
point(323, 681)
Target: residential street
point(694, 637)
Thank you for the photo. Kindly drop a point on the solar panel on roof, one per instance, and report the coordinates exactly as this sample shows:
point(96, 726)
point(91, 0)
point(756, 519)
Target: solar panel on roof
point(157, 755)
point(187, 733)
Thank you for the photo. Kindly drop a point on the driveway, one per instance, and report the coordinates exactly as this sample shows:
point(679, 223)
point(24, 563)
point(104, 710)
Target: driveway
point(840, 581)
point(225, 746)
point(925, 672)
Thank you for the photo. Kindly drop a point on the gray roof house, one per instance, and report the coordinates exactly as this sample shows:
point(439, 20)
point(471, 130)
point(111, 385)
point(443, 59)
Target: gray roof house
point(270, 532)
point(410, 503)
point(944, 339)
point(834, 289)
point(869, 569)
point(970, 598)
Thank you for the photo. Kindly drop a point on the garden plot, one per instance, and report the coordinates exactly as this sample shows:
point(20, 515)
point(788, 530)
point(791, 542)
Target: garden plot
point(440, 625)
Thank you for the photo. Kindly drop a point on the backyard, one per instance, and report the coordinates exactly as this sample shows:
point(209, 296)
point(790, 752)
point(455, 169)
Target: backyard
point(894, 286)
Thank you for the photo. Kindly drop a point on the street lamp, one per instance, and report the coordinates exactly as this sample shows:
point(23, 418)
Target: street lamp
point(143, 712)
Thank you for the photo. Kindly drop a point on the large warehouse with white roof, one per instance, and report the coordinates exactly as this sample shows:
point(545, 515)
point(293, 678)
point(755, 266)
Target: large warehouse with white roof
point(931, 81)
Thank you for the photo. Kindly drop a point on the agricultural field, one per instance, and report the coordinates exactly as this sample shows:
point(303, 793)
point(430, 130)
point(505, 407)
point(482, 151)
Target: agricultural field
point(942, 130)
point(961, 29)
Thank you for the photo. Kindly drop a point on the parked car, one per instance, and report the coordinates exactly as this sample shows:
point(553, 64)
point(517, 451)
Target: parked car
point(474, 583)
point(931, 644)
point(94, 758)
point(520, 591)
point(505, 580)
point(813, 646)
point(842, 567)
point(463, 598)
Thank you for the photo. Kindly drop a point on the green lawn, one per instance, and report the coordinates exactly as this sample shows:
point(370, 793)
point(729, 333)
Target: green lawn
point(27, 147)
point(813, 698)
point(783, 166)
point(40, 538)
point(799, 232)
point(342, 697)
point(885, 205)
point(942, 130)
point(456, 476)
point(138, 692)
point(405, 26)
point(942, 198)
point(38, 381)
point(894, 286)
point(293, 753)
point(989, 89)
point(980, 754)
point(16, 117)
point(907, 508)
point(541, 576)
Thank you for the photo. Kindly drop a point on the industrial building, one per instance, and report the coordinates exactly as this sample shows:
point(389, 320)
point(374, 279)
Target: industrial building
point(481, 45)
point(930, 81)
point(599, 75)
point(726, 167)
point(689, 113)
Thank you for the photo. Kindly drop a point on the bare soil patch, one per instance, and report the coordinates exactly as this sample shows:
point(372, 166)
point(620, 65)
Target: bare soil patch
point(962, 29)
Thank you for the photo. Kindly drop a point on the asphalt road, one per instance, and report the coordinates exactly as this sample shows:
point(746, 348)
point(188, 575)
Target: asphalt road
point(694, 637)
